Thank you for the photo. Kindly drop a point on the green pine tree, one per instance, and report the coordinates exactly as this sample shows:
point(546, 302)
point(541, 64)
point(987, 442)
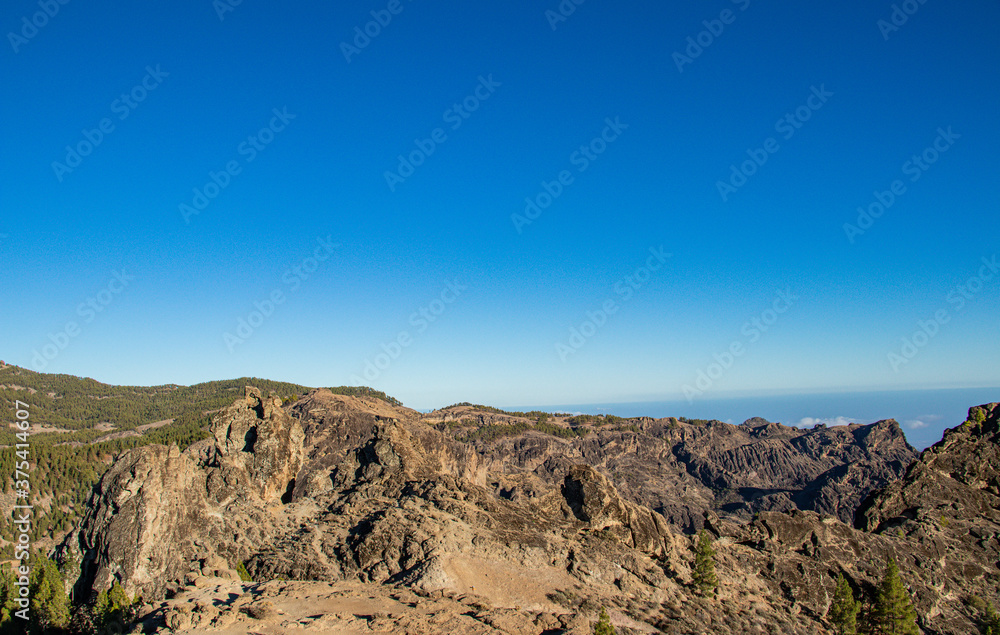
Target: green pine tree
point(8, 593)
point(603, 626)
point(894, 612)
point(112, 605)
point(988, 616)
point(705, 579)
point(241, 569)
point(49, 602)
point(844, 609)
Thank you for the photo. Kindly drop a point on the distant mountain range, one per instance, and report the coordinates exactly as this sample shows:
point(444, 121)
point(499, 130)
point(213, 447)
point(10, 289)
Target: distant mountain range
point(473, 519)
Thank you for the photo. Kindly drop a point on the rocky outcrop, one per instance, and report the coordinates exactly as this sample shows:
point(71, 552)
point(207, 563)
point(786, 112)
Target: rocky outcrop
point(596, 502)
point(255, 440)
point(958, 477)
point(683, 470)
point(947, 510)
point(940, 523)
point(160, 515)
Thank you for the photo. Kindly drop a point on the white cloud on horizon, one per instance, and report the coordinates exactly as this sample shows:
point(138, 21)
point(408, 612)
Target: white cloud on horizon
point(922, 421)
point(809, 422)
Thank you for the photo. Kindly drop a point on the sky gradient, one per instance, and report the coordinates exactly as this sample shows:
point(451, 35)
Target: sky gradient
point(488, 203)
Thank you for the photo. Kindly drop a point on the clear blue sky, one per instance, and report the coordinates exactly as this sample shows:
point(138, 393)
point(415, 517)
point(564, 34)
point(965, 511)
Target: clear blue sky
point(874, 98)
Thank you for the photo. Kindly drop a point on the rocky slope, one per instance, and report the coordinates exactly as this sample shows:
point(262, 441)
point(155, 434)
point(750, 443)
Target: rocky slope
point(158, 509)
point(390, 522)
point(682, 469)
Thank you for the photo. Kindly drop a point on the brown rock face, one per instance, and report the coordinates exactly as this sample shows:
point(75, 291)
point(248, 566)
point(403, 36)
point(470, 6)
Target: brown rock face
point(957, 477)
point(159, 515)
point(947, 508)
point(683, 470)
point(257, 441)
point(596, 502)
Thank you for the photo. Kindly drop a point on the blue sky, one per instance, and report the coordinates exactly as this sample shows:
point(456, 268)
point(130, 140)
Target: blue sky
point(438, 285)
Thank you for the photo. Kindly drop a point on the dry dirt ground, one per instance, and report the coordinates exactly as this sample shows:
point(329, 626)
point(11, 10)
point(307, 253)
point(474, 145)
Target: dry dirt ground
point(219, 606)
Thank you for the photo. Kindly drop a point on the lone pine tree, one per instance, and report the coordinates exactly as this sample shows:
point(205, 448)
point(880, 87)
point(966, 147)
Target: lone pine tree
point(603, 626)
point(894, 613)
point(843, 612)
point(705, 579)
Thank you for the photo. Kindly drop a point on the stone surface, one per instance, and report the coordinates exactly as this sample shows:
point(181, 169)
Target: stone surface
point(683, 470)
point(159, 514)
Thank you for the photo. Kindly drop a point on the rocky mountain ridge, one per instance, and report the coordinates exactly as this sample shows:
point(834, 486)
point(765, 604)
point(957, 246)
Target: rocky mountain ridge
point(683, 470)
point(533, 531)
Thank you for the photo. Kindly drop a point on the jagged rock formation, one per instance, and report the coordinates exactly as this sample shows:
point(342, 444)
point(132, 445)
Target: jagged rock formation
point(533, 533)
point(683, 470)
point(947, 507)
point(957, 478)
point(595, 501)
point(158, 510)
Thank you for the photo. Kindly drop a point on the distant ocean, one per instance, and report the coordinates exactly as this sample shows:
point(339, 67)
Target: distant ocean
point(922, 414)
